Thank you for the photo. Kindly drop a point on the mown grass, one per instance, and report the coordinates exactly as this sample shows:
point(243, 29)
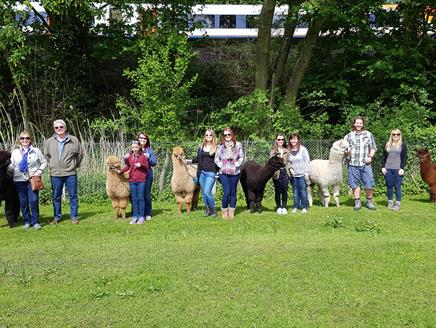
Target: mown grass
point(329, 268)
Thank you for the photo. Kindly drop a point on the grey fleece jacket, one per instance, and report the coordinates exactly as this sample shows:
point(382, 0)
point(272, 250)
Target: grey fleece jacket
point(70, 159)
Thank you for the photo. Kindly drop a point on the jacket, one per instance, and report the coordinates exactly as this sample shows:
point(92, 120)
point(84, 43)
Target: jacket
point(36, 163)
point(136, 174)
point(229, 165)
point(70, 159)
point(285, 160)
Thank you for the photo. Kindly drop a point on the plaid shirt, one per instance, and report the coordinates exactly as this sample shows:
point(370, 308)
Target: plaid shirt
point(360, 145)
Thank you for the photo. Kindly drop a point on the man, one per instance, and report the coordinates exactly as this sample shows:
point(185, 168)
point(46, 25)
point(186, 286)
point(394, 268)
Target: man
point(64, 153)
point(362, 149)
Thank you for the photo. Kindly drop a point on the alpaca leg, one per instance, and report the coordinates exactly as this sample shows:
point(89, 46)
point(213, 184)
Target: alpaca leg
point(179, 208)
point(321, 196)
point(310, 195)
point(115, 208)
point(123, 205)
point(123, 214)
point(326, 196)
point(336, 189)
point(179, 201)
point(188, 202)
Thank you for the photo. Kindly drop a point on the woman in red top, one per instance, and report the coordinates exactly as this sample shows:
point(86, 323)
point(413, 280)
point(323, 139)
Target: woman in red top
point(137, 165)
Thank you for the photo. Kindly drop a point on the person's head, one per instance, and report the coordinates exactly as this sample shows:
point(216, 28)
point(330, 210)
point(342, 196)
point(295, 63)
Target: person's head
point(209, 138)
point(228, 135)
point(60, 127)
point(136, 146)
point(294, 141)
point(25, 139)
point(144, 140)
point(395, 139)
point(280, 142)
point(358, 123)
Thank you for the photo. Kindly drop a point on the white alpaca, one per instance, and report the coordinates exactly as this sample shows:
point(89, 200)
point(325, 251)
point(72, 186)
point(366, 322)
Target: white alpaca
point(327, 173)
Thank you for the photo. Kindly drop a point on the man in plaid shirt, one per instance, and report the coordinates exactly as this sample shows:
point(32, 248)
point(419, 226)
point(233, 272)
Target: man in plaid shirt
point(362, 149)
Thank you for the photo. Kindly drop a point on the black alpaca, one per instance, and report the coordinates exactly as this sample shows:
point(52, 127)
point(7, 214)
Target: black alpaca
point(7, 190)
point(254, 178)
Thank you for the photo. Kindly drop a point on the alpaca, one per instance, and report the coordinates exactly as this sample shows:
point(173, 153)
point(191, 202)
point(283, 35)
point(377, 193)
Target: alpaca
point(182, 182)
point(254, 178)
point(327, 173)
point(7, 190)
point(117, 187)
point(428, 171)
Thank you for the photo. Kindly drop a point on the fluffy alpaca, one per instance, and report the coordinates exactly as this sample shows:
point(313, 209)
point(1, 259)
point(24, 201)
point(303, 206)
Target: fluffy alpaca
point(117, 187)
point(254, 178)
point(327, 173)
point(7, 190)
point(182, 184)
point(428, 171)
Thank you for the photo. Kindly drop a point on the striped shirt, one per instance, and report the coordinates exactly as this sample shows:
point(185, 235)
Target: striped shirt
point(360, 146)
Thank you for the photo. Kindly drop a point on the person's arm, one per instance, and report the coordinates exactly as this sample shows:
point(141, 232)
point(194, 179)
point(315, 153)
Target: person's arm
point(152, 159)
point(42, 162)
point(218, 161)
point(384, 158)
point(80, 154)
point(241, 156)
point(306, 159)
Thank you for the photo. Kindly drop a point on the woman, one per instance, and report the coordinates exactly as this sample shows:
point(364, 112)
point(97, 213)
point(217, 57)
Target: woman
point(206, 170)
point(299, 168)
point(229, 158)
point(393, 163)
point(281, 177)
point(27, 161)
point(145, 143)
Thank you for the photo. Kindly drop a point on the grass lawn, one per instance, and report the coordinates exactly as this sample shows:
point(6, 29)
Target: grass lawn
point(328, 268)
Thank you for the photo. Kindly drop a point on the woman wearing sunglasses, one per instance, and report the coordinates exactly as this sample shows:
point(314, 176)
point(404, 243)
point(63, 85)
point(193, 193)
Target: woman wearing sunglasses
point(281, 177)
point(27, 161)
point(393, 163)
point(229, 158)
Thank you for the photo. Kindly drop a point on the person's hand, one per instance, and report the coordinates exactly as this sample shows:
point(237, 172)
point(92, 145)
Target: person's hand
point(137, 164)
point(187, 161)
point(307, 178)
point(118, 171)
point(400, 172)
point(146, 155)
point(368, 160)
point(126, 156)
point(384, 171)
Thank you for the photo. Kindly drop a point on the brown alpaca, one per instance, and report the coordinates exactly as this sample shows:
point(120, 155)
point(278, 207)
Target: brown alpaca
point(182, 184)
point(117, 187)
point(428, 171)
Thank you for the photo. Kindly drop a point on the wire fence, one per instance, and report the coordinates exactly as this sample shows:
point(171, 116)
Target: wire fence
point(92, 179)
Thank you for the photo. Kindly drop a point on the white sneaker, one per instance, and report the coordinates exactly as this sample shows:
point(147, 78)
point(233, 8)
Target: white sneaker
point(284, 211)
point(304, 210)
point(294, 210)
point(148, 218)
point(279, 211)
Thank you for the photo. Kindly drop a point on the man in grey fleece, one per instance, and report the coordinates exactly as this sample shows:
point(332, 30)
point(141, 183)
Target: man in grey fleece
point(64, 154)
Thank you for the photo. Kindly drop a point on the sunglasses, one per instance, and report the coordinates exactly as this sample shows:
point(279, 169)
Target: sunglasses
point(59, 127)
point(227, 134)
point(396, 134)
point(142, 138)
point(280, 139)
point(208, 135)
point(24, 138)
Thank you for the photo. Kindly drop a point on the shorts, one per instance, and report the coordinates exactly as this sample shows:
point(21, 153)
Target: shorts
point(360, 175)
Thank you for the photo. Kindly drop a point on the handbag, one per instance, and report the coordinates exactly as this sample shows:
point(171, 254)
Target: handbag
point(36, 183)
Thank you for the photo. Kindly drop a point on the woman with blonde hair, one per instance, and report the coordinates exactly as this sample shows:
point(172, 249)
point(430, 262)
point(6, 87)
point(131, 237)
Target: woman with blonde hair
point(393, 163)
point(27, 161)
point(206, 170)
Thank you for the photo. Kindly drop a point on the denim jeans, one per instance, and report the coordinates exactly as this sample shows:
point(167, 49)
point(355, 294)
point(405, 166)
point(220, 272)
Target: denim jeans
point(57, 184)
point(299, 189)
point(358, 175)
point(207, 181)
point(393, 180)
point(281, 192)
point(138, 204)
point(229, 183)
point(29, 202)
point(147, 195)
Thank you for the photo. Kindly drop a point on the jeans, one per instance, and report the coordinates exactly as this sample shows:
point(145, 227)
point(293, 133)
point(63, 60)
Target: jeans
point(229, 183)
point(358, 175)
point(299, 189)
point(207, 181)
point(137, 190)
point(393, 180)
point(29, 202)
point(147, 195)
point(281, 192)
point(57, 184)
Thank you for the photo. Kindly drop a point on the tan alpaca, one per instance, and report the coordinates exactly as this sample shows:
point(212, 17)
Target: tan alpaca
point(182, 183)
point(117, 187)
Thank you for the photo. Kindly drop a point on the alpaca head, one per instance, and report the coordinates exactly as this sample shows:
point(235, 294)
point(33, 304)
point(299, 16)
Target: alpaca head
point(423, 153)
point(178, 153)
point(113, 163)
point(275, 162)
point(5, 159)
point(340, 146)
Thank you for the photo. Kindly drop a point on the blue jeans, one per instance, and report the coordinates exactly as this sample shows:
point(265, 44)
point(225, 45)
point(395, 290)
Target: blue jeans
point(57, 184)
point(393, 180)
point(207, 180)
point(299, 189)
point(229, 183)
point(29, 202)
point(138, 204)
point(147, 195)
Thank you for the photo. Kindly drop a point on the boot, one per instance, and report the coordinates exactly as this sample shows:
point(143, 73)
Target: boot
point(357, 205)
point(207, 210)
point(212, 212)
point(225, 213)
point(231, 213)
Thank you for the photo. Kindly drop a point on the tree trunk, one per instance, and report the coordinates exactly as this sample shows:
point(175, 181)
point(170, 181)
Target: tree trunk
point(24, 108)
point(264, 44)
point(303, 61)
point(290, 25)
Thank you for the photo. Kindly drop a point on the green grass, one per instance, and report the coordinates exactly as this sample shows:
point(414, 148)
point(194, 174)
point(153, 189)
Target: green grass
point(329, 268)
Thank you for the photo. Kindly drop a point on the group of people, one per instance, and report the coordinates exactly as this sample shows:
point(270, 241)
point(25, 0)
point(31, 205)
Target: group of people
point(223, 159)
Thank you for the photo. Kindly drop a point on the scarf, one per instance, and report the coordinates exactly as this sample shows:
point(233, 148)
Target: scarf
point(23, 163)
point(229, 151)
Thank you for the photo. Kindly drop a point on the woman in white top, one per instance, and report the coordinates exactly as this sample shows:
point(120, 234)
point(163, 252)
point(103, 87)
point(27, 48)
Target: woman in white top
point(27, 161)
